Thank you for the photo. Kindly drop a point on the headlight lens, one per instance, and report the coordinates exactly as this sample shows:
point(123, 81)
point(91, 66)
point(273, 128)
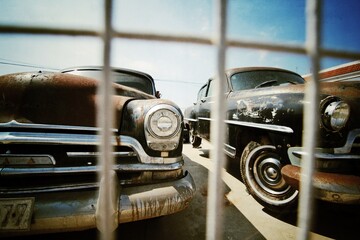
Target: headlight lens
point(336, 115)
point(163, 121)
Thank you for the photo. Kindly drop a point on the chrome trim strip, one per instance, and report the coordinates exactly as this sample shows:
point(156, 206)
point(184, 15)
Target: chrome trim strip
point(97, 154)
point(229, 150)
point(48, 138)
point(206, 119)
point(191, 119)
point(329, 156)
point(17, 125)
point(276, 128)
point(270, 127)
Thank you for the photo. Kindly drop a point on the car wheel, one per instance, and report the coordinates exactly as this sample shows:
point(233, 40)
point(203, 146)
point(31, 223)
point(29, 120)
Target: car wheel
point(260, 169)
point(194, 140)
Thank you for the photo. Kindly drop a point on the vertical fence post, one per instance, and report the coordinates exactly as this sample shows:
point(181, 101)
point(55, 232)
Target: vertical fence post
point(105, 121)
point(311, 119)
point(214, 221)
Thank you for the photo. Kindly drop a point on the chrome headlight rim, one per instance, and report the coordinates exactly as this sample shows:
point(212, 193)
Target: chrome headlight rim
point(335, 114)
point(159, 121)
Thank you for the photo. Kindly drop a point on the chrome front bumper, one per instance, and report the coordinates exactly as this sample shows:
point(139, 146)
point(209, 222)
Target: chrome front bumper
point(77, 210)
point(329, 182)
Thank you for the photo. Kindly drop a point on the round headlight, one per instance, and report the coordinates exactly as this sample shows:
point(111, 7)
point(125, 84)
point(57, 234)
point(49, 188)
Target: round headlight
point(163, 122)
point(336, 115)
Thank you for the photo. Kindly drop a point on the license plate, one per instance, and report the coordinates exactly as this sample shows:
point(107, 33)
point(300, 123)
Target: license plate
point(16, 213)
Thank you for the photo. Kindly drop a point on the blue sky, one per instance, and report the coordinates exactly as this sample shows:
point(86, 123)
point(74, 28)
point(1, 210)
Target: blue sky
point(179, 69)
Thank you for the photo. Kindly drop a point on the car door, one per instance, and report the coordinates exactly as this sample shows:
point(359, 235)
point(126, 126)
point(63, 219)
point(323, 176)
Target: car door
point(192, 113)
point(205, 111)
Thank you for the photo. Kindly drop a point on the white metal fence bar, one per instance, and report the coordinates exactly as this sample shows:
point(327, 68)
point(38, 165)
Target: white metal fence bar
point(214, 220)
point(106, 217)
point(310, 120)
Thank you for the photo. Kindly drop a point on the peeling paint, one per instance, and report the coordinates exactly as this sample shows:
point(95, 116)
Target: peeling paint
point(262, 108)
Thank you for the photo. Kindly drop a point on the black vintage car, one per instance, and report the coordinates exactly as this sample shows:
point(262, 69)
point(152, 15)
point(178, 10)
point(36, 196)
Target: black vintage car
point(49, 157)
point(264, 127)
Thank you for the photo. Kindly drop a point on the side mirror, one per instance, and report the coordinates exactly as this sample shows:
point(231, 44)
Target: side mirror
point(158, 94)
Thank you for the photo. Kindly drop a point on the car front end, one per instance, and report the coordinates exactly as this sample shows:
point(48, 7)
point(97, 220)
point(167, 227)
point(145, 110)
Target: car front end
point(337, 157)
point(50, 162)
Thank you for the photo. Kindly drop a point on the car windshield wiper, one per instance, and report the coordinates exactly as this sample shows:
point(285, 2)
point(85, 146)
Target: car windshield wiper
point(266, 83)
point(294, 83)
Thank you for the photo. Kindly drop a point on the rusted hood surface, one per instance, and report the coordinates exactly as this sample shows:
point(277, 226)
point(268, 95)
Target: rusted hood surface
point(56, 98)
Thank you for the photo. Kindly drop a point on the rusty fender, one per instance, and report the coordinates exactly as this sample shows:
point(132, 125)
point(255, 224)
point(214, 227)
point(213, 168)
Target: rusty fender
point(330, 187)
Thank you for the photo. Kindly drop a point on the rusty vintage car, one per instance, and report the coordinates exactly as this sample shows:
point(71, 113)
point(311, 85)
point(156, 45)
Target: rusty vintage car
point(264, 127)
point(49, 157)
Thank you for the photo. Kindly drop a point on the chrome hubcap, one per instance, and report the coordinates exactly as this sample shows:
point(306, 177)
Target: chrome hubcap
point(267, 173)
point(271, 173)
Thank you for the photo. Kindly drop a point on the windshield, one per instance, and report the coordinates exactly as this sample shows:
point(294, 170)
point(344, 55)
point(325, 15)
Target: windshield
point(266, 78)
point(128, 79)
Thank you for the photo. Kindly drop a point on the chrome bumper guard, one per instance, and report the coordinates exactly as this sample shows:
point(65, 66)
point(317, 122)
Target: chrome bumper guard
point(295, 153)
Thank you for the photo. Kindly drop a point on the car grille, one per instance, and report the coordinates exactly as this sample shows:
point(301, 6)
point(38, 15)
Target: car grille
point(55, 160)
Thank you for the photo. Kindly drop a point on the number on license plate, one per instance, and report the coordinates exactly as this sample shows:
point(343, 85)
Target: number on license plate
point(16, 213)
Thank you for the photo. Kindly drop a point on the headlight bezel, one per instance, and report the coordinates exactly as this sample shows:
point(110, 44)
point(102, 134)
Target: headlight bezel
point(162, 126)
point(335, 113)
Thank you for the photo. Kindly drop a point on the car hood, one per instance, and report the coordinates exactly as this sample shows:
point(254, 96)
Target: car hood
point(57, 98)
point(271, 104)
point(347, 90)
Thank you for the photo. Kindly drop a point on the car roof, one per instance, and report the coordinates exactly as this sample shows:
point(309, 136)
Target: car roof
point(99, 68)
point(231, 71)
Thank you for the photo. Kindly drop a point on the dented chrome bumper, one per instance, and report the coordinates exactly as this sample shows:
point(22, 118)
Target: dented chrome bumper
point(77, 210)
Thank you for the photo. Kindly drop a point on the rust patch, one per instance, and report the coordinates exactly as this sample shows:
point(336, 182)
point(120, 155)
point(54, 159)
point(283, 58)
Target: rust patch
point(291, 174)
point(145, 205)
point(329, 186)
